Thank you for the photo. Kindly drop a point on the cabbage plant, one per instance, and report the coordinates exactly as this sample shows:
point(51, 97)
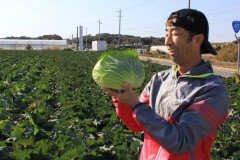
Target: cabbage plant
point(115, 67)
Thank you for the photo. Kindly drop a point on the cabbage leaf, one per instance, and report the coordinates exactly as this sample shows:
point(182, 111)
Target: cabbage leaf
point(115, 67)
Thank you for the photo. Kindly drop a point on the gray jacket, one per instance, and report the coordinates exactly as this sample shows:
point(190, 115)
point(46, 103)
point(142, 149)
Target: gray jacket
point(179, 115)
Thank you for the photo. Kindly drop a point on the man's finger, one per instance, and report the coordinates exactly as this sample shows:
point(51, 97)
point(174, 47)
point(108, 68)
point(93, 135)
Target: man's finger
point(126, 86)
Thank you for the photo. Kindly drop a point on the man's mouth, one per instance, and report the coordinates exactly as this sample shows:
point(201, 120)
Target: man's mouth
point(171, 52)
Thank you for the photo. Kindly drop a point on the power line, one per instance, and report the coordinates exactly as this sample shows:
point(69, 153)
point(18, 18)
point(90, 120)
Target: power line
point(214, 16)
point(224, 7)
point(140, 4)
point(224, 20)
point(224, 11)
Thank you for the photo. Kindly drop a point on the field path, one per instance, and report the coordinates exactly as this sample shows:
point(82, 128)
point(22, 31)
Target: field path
point(225, 72)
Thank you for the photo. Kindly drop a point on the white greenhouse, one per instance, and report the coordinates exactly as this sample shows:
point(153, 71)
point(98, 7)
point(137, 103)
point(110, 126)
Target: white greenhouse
point(22, 44)
point(159, 48)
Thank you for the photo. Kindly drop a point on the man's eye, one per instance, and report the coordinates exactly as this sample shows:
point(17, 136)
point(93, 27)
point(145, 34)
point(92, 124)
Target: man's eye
point(175, 34)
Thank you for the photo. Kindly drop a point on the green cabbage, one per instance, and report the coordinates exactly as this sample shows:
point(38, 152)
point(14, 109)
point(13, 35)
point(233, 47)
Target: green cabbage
point(115, 67)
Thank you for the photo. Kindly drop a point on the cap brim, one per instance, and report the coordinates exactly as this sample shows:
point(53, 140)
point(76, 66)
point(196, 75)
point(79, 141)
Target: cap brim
point(207, 48)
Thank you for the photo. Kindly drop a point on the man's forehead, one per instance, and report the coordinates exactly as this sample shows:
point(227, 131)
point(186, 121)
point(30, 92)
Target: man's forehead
point(170, 28)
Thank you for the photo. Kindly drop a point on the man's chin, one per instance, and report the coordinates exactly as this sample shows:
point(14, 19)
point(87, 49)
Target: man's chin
point(173, 59)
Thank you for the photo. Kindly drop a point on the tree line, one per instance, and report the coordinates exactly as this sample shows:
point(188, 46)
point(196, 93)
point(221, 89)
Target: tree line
point(44, 37)
point(125, 40)
point(111, 39)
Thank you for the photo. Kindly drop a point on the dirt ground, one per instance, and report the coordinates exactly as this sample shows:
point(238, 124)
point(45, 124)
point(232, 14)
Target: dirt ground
point(207, 57)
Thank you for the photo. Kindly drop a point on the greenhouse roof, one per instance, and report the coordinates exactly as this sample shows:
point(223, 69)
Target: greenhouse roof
point(31, 41)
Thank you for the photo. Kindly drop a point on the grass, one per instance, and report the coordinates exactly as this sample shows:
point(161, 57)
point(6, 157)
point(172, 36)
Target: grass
point(219, 63)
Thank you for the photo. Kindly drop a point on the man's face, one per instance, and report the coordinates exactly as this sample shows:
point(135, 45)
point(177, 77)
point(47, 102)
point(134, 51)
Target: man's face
point(178, 44)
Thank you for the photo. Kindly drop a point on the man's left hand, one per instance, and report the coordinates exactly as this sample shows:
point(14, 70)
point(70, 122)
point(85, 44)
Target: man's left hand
point(126, 96)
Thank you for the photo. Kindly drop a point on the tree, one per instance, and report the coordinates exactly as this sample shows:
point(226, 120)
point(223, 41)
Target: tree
point(28, 47)
point(50, 37)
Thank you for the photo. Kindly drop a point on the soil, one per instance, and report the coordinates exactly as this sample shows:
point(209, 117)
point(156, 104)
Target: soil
point(207, 57)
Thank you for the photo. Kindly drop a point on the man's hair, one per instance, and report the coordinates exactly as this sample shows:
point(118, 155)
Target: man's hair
point(190, 36)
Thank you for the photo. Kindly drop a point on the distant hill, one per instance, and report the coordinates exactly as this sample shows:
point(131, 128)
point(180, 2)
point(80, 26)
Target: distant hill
point(46, 37)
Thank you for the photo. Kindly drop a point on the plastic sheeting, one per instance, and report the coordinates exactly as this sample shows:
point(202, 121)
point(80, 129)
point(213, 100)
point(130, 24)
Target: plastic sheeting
point(21, 44)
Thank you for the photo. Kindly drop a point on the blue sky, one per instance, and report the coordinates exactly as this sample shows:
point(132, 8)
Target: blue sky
point(142, 18)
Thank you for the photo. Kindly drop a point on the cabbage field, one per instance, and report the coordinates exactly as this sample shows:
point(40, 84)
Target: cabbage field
point(52, 109)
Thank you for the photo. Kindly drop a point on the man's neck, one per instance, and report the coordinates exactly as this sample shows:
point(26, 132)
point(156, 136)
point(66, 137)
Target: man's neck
point(182, 69)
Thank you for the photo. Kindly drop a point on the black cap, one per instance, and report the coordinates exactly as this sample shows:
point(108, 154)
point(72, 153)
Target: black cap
point(196, 22)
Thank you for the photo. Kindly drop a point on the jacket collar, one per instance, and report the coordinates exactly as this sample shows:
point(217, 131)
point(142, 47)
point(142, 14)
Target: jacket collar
point(202, 70)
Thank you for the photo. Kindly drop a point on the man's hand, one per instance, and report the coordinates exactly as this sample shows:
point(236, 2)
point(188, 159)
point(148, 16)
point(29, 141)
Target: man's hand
point(126, 96)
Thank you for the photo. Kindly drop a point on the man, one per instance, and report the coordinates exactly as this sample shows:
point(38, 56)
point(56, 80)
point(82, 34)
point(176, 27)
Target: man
point(181, 109)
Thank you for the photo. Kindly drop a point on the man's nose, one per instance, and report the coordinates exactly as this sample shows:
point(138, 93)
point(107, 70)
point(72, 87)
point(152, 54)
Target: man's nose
point(168, 40)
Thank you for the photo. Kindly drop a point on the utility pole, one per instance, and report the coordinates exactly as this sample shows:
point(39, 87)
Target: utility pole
point(236, 28)
point(72, 41)
point(80, 38)
point(86, 37)
point(99, 22)
point(119, 33)
point(189, 3)
point(77, 39)
point(238, 40)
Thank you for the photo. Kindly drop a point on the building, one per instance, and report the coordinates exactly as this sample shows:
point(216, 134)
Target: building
point(141, 51)
point(99, 45)
point(23, 44)
point(159, 48)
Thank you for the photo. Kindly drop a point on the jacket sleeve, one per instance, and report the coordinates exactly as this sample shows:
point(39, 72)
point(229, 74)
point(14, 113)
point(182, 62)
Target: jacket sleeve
point(203, 117)
point(124, 112)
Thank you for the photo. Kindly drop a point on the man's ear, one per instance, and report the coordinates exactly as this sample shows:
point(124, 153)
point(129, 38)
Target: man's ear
point(198, 39)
